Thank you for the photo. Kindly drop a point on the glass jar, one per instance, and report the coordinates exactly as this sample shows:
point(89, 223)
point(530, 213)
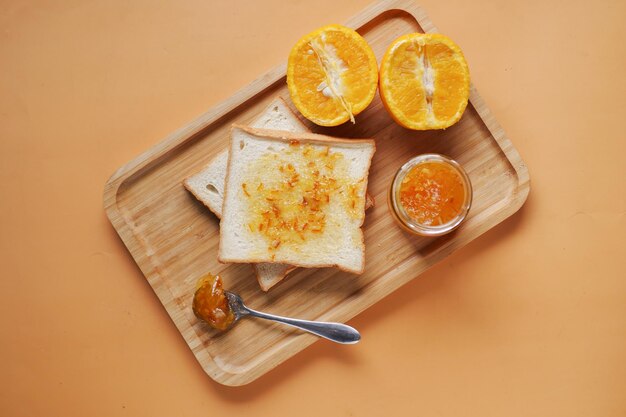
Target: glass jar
point(403, 216)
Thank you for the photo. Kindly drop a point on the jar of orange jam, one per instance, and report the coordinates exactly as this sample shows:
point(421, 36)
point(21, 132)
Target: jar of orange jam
point(430, 195)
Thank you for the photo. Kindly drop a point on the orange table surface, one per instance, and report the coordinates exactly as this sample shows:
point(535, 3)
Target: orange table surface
point(528, 320)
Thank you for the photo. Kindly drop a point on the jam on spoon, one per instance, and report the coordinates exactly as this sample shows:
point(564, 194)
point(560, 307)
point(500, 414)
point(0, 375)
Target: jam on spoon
point(221, 309)
point(210, 303)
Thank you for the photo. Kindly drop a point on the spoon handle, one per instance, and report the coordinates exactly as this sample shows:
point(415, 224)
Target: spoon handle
point(335, 332)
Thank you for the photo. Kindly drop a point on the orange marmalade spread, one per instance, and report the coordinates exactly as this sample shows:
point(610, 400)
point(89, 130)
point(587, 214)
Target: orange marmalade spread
point(210, 303)
point(289, 202)
point(432, 193)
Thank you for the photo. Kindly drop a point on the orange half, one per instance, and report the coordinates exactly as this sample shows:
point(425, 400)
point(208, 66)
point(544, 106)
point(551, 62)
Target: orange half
point(424, 81)
point(332, 75)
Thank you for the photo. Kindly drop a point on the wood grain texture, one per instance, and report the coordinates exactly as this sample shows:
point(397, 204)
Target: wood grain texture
point(174, 239)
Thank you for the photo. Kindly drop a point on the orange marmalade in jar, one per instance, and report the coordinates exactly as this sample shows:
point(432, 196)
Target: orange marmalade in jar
point(430, 195)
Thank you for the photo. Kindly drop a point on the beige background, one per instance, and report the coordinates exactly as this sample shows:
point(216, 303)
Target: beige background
point(528, 320)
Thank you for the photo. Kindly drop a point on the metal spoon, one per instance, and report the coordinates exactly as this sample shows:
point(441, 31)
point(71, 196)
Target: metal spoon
point(335, 332)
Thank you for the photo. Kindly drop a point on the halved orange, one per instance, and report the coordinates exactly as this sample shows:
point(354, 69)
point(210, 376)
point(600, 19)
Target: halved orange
point(424, 81)
point(332, 75)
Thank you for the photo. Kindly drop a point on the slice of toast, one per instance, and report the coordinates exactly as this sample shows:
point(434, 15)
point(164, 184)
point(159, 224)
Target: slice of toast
point(208, 184)
point(295, 198)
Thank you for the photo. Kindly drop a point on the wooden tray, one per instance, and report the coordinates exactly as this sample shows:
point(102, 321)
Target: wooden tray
point(174, 239)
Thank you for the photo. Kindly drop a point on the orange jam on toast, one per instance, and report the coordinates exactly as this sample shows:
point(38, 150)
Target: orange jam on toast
point(290, 201)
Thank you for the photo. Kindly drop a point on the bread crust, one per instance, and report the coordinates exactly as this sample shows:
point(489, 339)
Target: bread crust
point(307, 137)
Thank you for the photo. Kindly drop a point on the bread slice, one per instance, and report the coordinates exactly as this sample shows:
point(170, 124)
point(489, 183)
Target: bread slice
point(295, 198)
point(208, 184)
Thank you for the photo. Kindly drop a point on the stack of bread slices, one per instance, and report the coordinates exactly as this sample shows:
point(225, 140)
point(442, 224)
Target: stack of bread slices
point(286, 197)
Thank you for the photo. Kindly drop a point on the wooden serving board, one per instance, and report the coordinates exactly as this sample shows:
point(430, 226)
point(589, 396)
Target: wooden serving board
point(174, 239)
